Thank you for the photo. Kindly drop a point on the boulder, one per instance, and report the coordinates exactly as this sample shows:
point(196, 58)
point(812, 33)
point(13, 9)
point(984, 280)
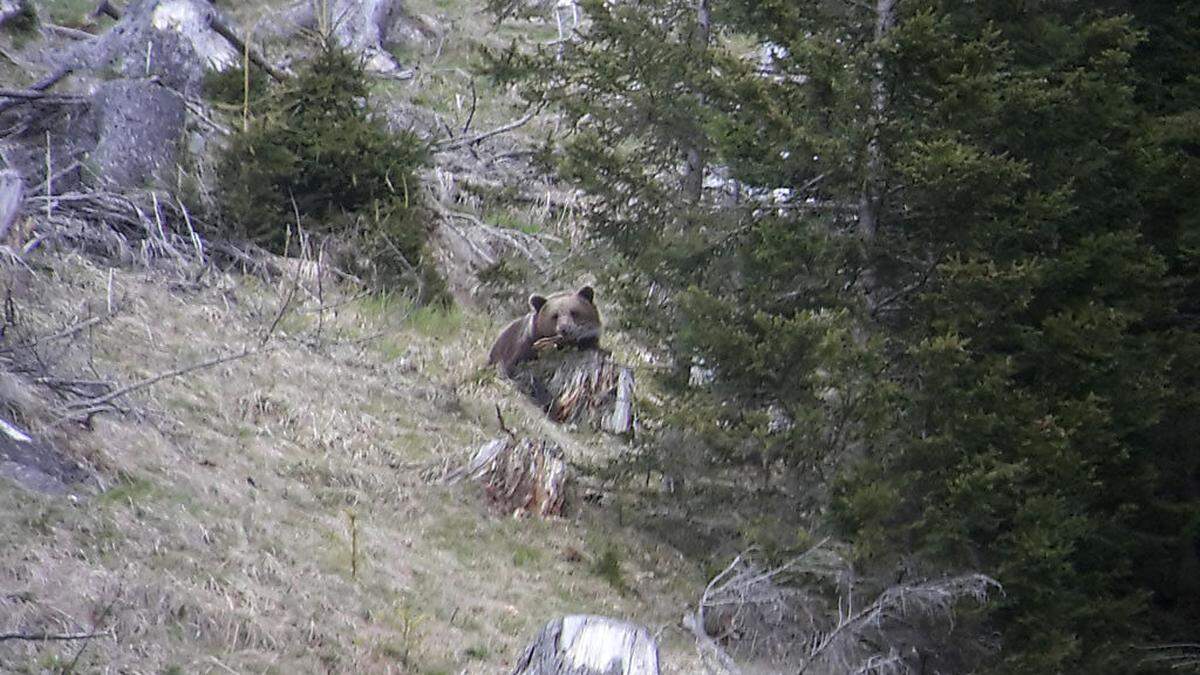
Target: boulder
point(139, 126)
point(170, 40)
point(35, 464)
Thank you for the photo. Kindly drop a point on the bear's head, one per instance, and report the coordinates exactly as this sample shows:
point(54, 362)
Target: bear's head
point(570, 316)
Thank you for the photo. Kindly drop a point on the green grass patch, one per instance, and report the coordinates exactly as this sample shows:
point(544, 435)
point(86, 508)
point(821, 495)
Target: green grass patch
point(130, 491)
point(524, 556)
point(433, 321)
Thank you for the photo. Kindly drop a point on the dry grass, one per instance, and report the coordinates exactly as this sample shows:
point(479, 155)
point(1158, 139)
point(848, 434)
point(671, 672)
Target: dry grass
point(218, 538)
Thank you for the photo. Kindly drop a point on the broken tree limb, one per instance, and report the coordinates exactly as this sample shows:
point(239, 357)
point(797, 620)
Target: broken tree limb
point(44, 637)
point(451, 144)
point(37, 87)
point(221, 28)
point(88, 407)
point(35, 95)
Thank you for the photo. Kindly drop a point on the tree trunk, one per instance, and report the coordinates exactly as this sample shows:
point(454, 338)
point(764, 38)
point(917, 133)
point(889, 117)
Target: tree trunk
point(590, 645)
point(693, 171)
point(871, 198)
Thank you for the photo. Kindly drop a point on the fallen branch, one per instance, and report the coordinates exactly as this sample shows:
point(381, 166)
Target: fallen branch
point(88, 407)
point(223, 29)
point(36, 95)
point(451, 144)
point(65, 332)
point(47, 637)
point(73, 33)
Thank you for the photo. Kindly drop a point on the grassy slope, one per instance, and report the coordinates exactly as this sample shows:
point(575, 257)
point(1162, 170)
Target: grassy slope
point(220, 536)
point(218, 539)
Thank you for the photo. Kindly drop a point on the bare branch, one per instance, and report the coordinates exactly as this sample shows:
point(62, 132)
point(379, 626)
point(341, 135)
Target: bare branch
point(49, 637)
point(451, 144)
point(87, 407)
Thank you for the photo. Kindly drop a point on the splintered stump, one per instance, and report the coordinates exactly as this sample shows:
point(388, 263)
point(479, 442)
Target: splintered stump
point(522, 477)
point(586, 387)
point(590, 645)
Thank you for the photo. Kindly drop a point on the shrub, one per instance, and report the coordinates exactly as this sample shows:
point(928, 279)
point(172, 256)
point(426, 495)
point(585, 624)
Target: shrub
point(315, 157)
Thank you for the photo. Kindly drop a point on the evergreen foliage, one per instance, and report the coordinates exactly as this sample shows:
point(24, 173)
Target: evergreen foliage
point(316, 158)
point(957, 248)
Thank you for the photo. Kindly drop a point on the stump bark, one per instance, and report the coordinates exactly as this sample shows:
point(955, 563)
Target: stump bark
point(522, 477)
point(586, 387)
point(590, 645)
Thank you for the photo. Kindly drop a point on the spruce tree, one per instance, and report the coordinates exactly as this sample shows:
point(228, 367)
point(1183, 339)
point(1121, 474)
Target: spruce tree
point(957, 248)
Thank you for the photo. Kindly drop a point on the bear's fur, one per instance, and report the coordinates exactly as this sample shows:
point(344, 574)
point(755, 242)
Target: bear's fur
point(563, 319)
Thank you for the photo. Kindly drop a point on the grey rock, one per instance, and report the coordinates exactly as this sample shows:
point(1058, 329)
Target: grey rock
point(35, 464)
point(139, 126)
point(170, 40)
point(10, 9)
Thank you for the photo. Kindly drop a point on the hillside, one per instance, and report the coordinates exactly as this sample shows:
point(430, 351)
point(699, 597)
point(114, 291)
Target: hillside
point(901, 347)
point(214, 526)
point(214, 532)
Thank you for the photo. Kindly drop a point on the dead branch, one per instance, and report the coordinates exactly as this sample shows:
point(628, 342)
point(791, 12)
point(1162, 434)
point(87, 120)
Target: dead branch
point(223, 29)
point(39, 86)
point(46, 637)
point(503, 427)
point(1178, 656)
point(471, 114)
point(64, 333)
point(930, 598)
point(451, 144)
point(36, 95)
point(526, 244)
point(73, 33)
point(88, 407)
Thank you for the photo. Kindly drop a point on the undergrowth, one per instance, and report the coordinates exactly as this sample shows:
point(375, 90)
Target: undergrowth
point(314, 156)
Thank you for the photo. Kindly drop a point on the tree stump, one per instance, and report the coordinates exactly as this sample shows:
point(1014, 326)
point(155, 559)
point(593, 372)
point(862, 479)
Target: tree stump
point(590, 645)
point(11, 192)
point(520, 476)
point(586, 387)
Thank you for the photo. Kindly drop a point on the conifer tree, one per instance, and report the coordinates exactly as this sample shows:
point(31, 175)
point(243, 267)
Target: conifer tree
point(958, 249)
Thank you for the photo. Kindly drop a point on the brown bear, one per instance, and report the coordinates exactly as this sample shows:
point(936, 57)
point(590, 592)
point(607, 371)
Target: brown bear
point(563, 319)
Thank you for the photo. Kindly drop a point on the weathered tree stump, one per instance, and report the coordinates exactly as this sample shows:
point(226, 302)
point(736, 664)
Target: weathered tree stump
point(590, 645)
point(11, 192)
point(520, 477)
point(586, 387)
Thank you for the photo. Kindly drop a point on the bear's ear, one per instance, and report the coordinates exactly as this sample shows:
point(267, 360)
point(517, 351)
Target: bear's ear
point(536, 302)
point(588, 294)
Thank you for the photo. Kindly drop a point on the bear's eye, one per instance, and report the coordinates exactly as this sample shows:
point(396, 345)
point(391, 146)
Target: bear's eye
point(574, 314)
point(554, 316)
